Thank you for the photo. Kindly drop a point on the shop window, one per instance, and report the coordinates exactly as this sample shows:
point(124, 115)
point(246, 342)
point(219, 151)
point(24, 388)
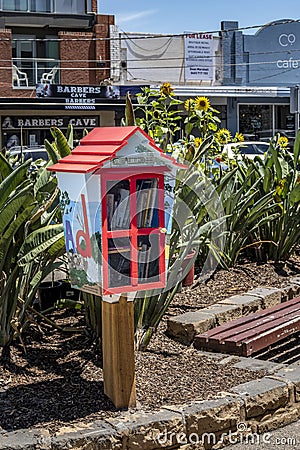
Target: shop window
point(284, 121)
point(255, 121)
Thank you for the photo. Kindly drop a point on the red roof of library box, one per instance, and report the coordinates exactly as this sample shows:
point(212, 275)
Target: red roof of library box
point(99, 146)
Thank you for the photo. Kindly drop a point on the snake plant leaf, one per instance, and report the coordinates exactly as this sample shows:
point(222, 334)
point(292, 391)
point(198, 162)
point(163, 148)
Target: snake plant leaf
point(297, 149)
point(5, 167)
point(42, 180)
point(52, 151)
point(12, 207)
point(62, 145)
point(41, 274)
point(14, 179)
point(10, 232)
point(70, 136)
point(295, 194)
point(129, 112)
point(58, 248)
point(39, 241)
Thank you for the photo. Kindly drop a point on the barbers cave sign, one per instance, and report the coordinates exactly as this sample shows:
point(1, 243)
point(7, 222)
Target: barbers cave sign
point(88, 122)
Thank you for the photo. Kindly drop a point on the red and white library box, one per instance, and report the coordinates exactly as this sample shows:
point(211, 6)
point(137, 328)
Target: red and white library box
point(117, 195)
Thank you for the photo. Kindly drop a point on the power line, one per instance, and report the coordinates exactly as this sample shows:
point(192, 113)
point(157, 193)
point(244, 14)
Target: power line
point(160, 35)
point(160, 67)
point(177, 58)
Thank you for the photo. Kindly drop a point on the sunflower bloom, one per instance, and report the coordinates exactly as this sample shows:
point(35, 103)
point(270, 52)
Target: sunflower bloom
point(223, 136)
point(283, 141)
point(198, 142)
point(202, 103)
point(166, 89)
point(239, 137)
point(189, 103)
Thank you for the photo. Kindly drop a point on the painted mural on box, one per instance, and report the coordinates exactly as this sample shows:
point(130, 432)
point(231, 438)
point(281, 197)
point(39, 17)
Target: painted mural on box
point(83, 240)
point(82, 228)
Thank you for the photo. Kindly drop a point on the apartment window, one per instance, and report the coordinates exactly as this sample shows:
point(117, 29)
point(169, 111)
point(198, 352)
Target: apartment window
point(27, 5)
point(40, 5)
point(70, 6)
point(15, 5)
point(47, 6)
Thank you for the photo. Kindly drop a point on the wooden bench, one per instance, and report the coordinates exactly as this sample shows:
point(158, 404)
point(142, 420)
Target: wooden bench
point(249, 334)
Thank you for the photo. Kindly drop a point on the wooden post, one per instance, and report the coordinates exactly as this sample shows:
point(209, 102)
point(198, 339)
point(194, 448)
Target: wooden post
point(118, 352)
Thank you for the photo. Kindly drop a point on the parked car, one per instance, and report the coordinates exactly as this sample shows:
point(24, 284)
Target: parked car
point(266, 136)
point(249, 149)
point(36, 154)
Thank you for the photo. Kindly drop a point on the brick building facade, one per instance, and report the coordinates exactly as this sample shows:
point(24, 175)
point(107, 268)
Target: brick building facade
point(73, 46)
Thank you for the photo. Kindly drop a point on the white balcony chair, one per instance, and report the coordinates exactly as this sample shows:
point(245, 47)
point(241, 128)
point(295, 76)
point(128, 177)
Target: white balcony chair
point(48, 77)
point(18, 76)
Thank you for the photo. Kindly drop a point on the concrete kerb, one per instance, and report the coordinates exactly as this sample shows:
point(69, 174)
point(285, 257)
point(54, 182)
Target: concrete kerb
point(258, 406)
point(183, 328)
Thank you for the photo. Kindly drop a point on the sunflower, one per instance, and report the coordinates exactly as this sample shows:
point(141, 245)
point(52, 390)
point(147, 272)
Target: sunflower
point(198, 142)
point(223, 136)
point(166, 89)
point(239, 137)
point(202, 103)
point(283, 141)
point(189, 103)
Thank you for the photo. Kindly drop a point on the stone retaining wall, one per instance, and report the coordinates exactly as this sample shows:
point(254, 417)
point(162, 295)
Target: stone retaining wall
point(258, 406)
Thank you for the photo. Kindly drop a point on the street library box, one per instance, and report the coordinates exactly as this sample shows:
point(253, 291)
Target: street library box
point(117, 195)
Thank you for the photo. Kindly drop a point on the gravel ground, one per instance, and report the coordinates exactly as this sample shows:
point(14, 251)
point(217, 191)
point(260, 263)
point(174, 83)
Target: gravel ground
point(58, 381)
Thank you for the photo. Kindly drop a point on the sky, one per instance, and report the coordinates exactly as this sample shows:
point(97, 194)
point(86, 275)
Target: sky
point(179, 16)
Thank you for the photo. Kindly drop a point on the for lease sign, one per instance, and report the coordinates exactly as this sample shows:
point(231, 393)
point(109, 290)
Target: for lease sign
point(198, 56)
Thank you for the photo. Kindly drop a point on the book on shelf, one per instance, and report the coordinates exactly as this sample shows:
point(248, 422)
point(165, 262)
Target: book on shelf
point(121, 215)
point(110, 200)
point(143, 256)
point(118, 209)
point(152, 195)
point(146, 198)
point(141, 207)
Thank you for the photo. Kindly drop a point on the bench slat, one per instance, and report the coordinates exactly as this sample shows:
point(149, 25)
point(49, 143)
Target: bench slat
point(254, 332)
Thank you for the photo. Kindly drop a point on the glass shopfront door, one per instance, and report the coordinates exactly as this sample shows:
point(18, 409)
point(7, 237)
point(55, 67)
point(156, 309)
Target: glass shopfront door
point(262, 122)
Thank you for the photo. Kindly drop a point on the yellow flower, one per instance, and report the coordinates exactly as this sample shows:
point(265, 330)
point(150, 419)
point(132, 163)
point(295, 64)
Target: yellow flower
point(239, 137)
point(202, 103)
point(198, 142)
point(166, 89)
point(189, 103)
point(223, 136)
point(283, 141)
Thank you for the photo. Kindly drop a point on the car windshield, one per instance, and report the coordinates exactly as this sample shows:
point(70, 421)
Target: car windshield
point(31, 154)
point(252, 149)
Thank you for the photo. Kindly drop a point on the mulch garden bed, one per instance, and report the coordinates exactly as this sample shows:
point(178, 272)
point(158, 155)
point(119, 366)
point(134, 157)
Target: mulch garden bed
point(55, 379)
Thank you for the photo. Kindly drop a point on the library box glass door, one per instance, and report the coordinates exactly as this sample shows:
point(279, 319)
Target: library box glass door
point(133, 232)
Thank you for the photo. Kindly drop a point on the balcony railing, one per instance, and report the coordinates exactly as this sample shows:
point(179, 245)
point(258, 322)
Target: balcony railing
point(28, 72)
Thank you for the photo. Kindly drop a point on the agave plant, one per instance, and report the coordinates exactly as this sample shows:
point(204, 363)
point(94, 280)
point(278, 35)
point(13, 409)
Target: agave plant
point(261, 200)
point(280, 174)
point(30, 243)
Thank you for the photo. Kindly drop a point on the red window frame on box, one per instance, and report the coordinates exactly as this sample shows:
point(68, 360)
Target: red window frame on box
point(133, 233)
